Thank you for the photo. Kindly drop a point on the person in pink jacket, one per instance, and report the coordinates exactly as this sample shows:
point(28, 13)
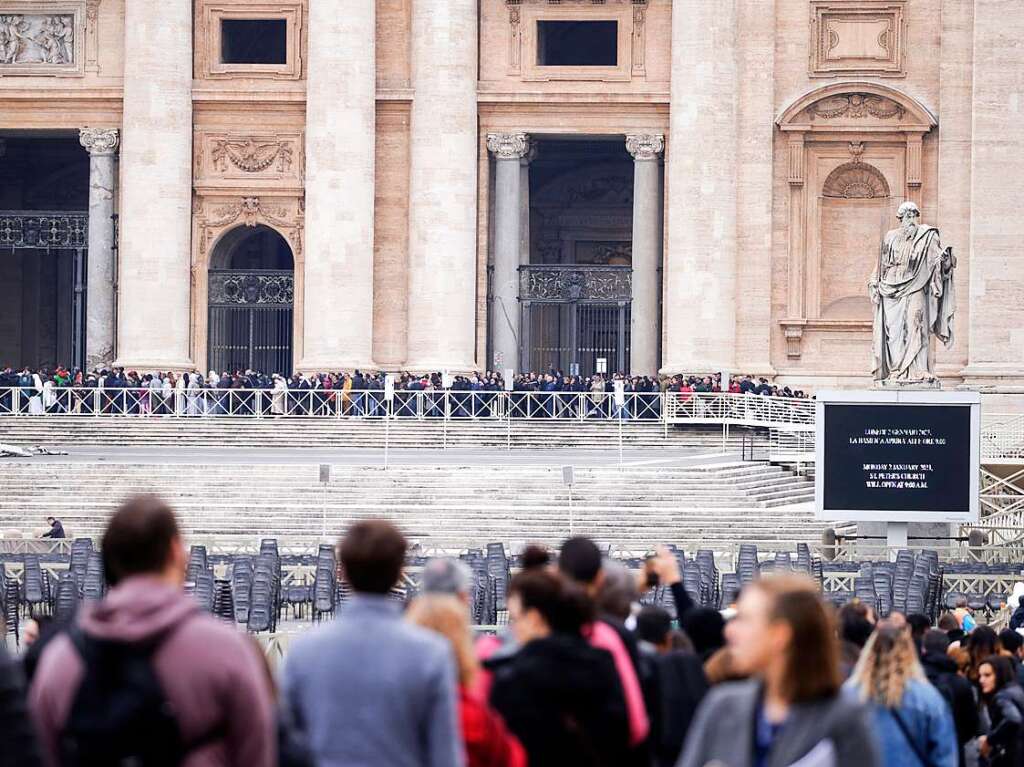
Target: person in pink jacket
point(209, 675)
point(580, 561)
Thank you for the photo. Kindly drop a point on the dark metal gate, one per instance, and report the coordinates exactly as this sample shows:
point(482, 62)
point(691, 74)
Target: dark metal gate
point(54, 233)
point(575, 316)
point(250, 323)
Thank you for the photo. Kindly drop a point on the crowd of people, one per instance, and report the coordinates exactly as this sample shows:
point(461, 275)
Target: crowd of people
point(358, 394)
point(582, 675)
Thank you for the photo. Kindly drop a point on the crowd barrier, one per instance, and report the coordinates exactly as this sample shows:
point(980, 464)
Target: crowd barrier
point(332, 403)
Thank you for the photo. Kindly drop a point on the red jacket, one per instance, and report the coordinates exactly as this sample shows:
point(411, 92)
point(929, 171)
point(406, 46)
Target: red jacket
point(488, 741)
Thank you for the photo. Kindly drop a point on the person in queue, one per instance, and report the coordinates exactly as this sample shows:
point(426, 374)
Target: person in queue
point(486, 739)
point(791, 708)
point(558, 694)
point(913, 722)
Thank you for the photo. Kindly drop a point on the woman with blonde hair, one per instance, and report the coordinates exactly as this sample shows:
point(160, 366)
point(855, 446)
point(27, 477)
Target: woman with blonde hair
point(488, 742)
point(912, 720)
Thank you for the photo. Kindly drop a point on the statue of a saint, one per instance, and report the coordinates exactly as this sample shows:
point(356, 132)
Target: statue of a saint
point(914, 298)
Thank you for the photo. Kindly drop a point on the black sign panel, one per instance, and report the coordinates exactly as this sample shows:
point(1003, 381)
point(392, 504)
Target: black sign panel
point(897, 457)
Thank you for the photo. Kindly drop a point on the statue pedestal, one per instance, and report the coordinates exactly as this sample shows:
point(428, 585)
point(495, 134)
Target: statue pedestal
point(933, 385)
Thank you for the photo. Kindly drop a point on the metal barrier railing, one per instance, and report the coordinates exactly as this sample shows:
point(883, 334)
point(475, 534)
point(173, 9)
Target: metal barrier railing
point(439, 404)
point(743, 409)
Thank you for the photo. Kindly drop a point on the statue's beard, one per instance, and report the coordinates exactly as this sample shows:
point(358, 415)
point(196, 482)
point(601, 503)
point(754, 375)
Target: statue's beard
point(909, 229)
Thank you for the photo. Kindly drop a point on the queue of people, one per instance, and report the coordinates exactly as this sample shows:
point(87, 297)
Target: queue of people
point(359, 393)
point(581, 674)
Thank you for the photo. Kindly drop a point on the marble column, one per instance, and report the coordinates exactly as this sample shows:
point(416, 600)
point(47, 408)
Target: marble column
point(99, 317)
point(508, 149)
point(154, 276)
point(443, 187)
point(700, 266)
point(340, 164)
point(646, 150)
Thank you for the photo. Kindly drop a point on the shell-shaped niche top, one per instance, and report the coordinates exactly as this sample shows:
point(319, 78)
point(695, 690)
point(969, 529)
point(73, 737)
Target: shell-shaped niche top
point(855, 180)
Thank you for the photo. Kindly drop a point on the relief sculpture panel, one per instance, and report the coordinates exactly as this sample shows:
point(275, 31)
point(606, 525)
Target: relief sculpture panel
point(42, 39)
point(249, 160)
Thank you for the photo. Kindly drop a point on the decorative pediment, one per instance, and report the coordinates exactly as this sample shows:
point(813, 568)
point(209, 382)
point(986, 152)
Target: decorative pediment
point(859, 106)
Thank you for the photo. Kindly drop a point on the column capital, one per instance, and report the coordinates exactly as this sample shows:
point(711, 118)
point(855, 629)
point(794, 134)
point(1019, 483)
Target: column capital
point(508, 146)
point(99, 141)
point(645, 146)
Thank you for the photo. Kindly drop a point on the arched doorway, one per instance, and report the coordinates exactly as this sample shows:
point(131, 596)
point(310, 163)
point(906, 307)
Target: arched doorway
point(251, 295)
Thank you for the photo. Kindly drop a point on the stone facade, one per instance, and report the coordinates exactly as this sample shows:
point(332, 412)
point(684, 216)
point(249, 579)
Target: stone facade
point(392, 147)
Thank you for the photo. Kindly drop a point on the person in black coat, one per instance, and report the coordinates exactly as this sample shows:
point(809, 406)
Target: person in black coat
point(18, 747)
point(56, 529)
point(561, 697)
point(674, 685)
point(941, 671)
point(1003, 698)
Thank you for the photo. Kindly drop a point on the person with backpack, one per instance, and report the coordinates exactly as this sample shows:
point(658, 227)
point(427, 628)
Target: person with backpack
point(942, 672)
point(913, 722)
point(144, 677)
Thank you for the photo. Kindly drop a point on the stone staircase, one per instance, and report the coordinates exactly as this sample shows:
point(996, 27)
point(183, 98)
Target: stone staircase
point(706, 505)
point(297, 431)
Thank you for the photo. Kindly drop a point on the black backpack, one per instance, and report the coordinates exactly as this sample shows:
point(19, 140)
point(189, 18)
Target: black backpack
point(120, 716)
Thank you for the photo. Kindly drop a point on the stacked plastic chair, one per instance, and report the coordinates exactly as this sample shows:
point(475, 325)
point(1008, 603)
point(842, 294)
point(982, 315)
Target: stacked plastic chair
point(81, 548)
point(705, 560)
point(324, 583)
point(34, 585)
point(746, 563)
point(94, 585)
point(65, 601)
point(498, 569)
point(223, 603)
point(241, 587)
point(264, 600)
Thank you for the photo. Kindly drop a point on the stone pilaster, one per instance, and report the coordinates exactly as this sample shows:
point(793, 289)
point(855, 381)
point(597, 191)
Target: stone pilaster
point(996, 324)
point(99, 321)
point(700, 267)
point(646, 150)
point(154, 278)
point(508, 149)
point(443, 187)
point(340, 133)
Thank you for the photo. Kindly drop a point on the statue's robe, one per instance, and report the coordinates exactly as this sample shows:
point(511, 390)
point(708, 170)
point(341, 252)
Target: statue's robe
point(916, 299)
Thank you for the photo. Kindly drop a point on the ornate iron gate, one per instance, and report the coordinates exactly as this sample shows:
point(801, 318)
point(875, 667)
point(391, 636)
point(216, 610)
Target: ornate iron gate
point(55, 231)
point(575, 315)
point(251, 320)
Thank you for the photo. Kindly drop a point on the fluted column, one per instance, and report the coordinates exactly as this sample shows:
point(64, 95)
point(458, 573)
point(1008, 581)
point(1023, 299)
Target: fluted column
point(156, 198)
point(700, 267)
point(340, 134)
point(508, 149)
point(99, 317)
point(646, 150)
point(442, 186)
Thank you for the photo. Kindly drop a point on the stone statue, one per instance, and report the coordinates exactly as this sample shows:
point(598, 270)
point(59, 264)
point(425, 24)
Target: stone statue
point(914, 299)
point(56, 40)
point(12, 35)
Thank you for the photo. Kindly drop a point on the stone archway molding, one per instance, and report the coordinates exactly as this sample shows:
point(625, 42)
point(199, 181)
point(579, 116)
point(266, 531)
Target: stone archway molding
point(855, 125)
point(213, 216)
